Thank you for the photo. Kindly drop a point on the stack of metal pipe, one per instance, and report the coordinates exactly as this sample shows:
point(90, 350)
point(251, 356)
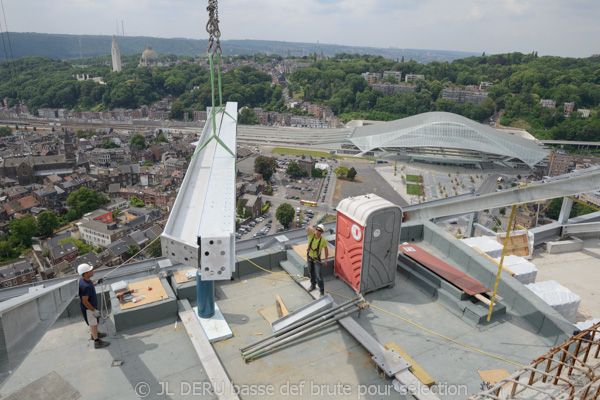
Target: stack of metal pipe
point(301, 328)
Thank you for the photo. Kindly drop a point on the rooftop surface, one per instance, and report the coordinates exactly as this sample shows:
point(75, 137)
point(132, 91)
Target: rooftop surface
point(330, 362)
point(578, 271)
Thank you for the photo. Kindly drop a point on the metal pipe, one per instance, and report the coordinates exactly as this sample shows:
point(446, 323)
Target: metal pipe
point(293, 331)
point(299, 323)
point(295, 335)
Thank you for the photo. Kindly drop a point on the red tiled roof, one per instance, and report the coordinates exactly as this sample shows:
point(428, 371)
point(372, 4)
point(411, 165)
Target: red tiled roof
point(28, 202)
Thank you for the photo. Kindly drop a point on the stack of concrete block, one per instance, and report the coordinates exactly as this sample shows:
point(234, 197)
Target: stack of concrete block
point(525, 272)
point(558, 297)
point(487, 244)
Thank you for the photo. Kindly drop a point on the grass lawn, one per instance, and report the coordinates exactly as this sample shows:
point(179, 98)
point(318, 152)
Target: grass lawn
point(299, 152)
point(413, 178)
point(329, 218)
point(413, 189)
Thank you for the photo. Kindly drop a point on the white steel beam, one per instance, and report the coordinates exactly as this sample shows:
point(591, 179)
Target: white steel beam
point(200, 230)
point(590, 227)
point(582, 183)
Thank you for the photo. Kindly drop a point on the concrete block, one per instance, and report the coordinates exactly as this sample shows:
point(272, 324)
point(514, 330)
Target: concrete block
point(260, 258)
point(158, 313)
point(427, 234)
point(553, 329)
point(441, 242)
point(460, 258)
point(275, 257)
point(415, 233)
point(565, 246)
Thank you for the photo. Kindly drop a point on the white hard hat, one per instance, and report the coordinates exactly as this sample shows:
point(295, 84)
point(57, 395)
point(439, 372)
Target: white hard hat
point(83, 268)
point(321, 227)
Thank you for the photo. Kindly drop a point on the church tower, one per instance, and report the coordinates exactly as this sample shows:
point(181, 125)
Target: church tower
point(116, 56)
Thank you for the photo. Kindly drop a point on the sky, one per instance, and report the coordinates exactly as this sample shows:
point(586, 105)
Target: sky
point(550, 27)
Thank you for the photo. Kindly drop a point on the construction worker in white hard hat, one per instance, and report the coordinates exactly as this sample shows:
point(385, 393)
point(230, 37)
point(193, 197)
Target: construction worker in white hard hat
point(316, 244)
point(89, 303)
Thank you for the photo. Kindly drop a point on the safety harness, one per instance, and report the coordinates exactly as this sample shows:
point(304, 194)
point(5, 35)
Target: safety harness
point(309, 248)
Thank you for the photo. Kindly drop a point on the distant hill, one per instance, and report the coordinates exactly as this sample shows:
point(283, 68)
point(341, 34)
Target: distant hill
point(60, 46)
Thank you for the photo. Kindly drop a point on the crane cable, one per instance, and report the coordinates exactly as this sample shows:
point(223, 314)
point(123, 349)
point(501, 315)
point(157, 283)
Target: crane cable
point(393, 315)
point(214, 49)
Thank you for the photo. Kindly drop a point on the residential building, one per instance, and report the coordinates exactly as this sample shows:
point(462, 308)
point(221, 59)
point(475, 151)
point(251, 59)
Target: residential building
point(393, 74)
point(98, 233)
point(584, 113)
point(67, 252)
point(16, 274)
point(548, 103)
point(413, 77)
point(462, 96)
point(568, 107)
point(253, 204)
point(560, 163)
point(371, 77)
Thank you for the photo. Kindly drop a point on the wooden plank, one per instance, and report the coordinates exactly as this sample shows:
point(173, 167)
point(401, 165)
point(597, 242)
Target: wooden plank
point(416, 369)
point(492, 259)
point(484, 299)
point(158, 292)
point(443, 269)
point(281, 306)
point(493, 376)
point(180, 276)
point(222, 385)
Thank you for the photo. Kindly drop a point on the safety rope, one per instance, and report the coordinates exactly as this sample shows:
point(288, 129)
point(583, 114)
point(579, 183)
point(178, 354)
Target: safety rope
point(392, 314)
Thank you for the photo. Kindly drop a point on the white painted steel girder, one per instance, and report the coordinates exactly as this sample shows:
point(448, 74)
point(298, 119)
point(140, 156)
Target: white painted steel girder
point(582, 183)
point(200, 231)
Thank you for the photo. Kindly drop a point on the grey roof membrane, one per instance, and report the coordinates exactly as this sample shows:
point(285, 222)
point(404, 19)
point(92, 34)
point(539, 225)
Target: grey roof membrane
point(326, 360)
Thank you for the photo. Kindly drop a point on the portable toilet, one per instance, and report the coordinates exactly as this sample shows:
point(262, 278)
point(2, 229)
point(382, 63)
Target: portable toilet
point(366, 245)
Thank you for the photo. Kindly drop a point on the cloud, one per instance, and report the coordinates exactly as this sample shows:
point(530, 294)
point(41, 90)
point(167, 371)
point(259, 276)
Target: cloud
point(467, 25)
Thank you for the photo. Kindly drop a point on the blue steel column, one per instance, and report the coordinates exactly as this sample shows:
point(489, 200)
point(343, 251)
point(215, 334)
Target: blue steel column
point(205, 294)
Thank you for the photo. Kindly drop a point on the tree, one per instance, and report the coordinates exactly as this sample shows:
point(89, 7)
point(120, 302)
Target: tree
point(285, 214)
point(147, 163)
point(161, 139)
point(293, 169)
point(351, 174)
point(22, 230)
point(176, 110)
point(47, 222)
point(109, 144)
point(341, 171)
point(247, 117)
point(135, 202)
point(5, 131)
point(116, 213)
point(316, 173)
point(155, 249)
point(138, 141)
point(266, 166)
point(133, 250)
point(503, 211)
point(240, 207)
point(84, 200)
point(6, 250)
